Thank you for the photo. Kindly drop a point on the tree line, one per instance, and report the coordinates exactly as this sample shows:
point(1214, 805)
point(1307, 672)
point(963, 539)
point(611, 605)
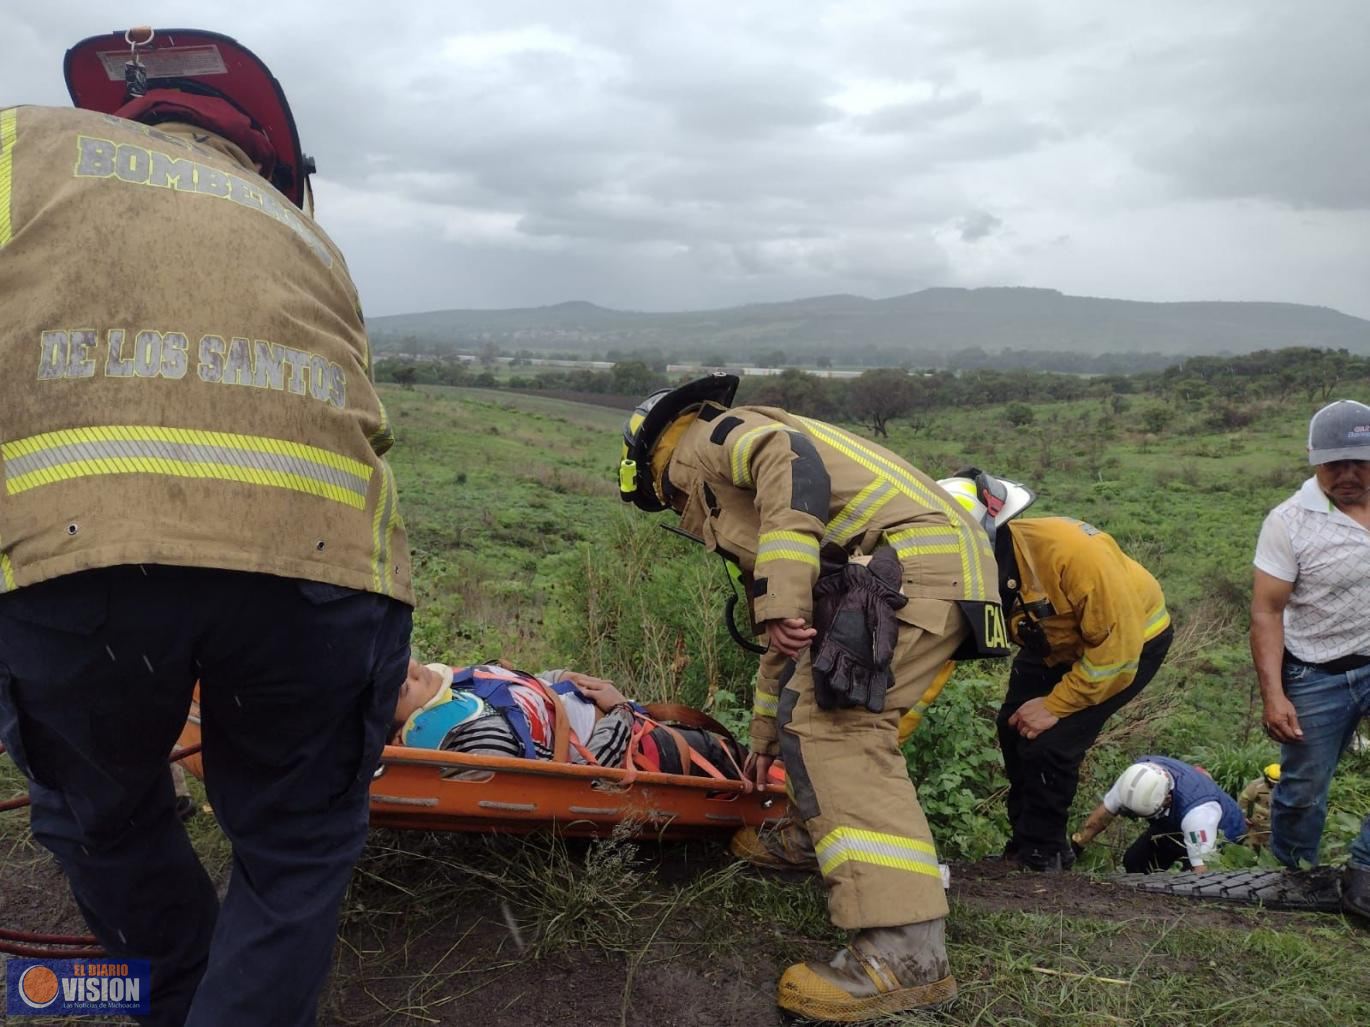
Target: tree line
point(1225, 386)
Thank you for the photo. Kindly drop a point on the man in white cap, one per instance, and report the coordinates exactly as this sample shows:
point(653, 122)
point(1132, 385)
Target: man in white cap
point(1310, 636)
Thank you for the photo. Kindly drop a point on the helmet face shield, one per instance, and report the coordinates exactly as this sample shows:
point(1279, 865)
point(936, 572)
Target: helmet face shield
point(649, 420)
point(635, 460)
point(967, 497)
point(991, 501)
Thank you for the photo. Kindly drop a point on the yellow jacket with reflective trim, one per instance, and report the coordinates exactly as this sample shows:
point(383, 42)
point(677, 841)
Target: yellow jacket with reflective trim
point(184, 374)
point(1107, 606)
point(767, 488)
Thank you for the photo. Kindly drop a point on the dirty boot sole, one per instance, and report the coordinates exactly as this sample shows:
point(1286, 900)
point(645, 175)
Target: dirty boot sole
point(803, 993)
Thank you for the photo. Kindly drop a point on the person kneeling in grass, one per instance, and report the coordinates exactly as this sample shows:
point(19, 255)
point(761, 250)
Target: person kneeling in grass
point(1188, 813)
point(490, 710)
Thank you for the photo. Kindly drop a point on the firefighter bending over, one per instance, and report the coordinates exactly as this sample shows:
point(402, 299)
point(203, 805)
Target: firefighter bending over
point(854, 643)
point(1092, 630)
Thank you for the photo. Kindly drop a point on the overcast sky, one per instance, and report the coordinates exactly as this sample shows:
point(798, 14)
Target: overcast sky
point(662, 155)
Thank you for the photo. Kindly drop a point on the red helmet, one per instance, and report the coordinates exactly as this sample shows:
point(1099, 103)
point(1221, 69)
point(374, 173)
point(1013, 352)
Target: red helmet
point(199, 77)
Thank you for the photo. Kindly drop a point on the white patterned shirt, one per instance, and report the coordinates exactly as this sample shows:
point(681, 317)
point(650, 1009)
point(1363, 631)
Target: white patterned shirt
point(1326, 554)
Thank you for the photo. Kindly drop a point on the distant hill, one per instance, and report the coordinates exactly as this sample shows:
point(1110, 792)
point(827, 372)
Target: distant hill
point(923, 326)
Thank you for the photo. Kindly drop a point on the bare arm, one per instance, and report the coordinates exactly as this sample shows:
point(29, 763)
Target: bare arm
point(1099, 819)
point(1269, 596)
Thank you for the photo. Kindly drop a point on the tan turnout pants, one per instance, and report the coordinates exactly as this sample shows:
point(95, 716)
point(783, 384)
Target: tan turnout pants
point(851, 786)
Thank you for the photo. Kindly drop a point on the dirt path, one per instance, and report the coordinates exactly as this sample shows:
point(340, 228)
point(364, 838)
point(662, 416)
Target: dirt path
point(407, 964)
point(996, 887)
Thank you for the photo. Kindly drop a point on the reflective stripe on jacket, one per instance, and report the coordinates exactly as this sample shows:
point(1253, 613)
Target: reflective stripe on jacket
point(768, 488)
point(1105, 607)
point(184, 373)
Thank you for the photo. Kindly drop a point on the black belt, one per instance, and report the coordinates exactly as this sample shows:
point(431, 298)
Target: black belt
point(1341, 665)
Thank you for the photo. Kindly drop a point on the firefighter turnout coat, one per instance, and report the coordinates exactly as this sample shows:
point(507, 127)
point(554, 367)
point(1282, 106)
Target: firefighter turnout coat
point(184, 374)
point(767, 489)
point(1096, 606)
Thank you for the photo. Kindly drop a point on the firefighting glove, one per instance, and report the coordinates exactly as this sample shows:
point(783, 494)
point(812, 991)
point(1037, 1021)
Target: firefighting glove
point(855, 644)
point(829, 593)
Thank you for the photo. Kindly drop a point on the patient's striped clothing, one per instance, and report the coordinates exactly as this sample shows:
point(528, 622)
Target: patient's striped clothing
point(489, 734)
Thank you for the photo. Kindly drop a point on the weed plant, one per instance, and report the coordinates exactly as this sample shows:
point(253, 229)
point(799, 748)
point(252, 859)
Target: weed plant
point(522, 550)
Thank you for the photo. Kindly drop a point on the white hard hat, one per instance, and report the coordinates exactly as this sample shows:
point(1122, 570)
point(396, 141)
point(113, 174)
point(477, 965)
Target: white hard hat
point(991, 501)
point(1143, 789)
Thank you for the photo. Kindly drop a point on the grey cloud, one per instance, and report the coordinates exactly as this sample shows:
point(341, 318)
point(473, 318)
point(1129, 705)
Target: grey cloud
point(608, 227)
point(1311, 164)
point(738, 103)
point(978, 225)
point(936, 40)
point(691, 277)
point(700, 154)
point(921, 114)
point(1000, 32)
point(993, 138)
point(1271, 105)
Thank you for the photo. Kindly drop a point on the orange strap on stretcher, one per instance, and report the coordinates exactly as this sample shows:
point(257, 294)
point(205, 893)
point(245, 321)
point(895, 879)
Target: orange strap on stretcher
point(642, 724)
point(563, 738)
point(561, 727)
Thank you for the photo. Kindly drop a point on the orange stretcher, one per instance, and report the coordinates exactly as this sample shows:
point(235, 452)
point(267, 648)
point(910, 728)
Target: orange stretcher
point(432, 790)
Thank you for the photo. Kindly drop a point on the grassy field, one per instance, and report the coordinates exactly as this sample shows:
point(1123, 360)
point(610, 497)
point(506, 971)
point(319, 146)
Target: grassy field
point(523, 550)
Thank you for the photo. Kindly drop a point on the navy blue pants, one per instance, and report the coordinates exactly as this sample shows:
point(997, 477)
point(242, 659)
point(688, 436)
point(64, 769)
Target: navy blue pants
point(298, 685)
point(1159, 847)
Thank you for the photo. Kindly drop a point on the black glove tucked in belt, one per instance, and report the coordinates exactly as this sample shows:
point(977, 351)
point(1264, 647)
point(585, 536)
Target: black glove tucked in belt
point(854, 615)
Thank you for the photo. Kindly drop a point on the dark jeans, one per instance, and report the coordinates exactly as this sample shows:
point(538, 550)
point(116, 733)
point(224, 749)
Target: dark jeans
point(1159, 847)
point(1330, 707)
point(298, 684)
point(1044, 772)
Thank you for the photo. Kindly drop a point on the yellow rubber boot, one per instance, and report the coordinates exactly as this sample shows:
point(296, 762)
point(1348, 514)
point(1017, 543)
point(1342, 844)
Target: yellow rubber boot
point(884, 970)
point(786, 846)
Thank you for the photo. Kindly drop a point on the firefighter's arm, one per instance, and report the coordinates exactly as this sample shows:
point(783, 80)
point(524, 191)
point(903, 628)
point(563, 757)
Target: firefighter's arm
point(782, 469)
point(1111, 622)
point(765, 737)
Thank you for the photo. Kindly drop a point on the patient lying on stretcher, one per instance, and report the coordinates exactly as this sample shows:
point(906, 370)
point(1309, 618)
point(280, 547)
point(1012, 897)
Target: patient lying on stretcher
point(489, 710)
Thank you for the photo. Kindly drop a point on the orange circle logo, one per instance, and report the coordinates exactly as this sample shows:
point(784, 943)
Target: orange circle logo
point(38, 987)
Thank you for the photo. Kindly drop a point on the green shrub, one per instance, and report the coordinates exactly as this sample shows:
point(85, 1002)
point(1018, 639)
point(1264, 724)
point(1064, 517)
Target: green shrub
point(1234, 766)
point(953, 758)
point(645, 608)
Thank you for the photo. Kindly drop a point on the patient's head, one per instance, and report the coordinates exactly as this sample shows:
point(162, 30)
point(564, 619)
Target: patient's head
point(420, 685)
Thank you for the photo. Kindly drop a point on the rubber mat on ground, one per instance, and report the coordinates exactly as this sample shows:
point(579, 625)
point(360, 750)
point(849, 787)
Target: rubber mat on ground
point(1314, 890)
